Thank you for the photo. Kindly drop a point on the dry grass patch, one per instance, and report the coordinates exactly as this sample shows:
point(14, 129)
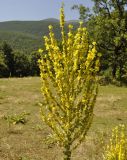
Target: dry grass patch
point(26, 142)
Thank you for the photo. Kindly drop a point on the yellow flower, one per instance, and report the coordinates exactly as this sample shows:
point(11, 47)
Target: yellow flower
point(40, 50)
point(50, 27)
point(94, 43)
point(81, 22)
point(70, 26)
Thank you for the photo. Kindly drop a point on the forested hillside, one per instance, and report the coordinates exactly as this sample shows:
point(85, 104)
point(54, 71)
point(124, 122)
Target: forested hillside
point(27, 35)
point(20, 41)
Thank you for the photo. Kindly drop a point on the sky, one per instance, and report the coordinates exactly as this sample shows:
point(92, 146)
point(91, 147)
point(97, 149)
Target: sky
point(38, 9)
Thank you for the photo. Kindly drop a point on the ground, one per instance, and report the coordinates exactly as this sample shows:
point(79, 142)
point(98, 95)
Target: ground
point(27, 141)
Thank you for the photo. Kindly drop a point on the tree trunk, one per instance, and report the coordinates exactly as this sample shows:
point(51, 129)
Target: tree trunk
point(120, 73)
point(114, 71)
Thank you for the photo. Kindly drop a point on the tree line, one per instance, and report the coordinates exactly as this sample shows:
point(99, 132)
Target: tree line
point(15, 63)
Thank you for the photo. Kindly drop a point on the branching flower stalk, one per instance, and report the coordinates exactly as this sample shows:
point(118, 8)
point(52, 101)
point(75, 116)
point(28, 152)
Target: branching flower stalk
point(69, 85)
point(117, 147)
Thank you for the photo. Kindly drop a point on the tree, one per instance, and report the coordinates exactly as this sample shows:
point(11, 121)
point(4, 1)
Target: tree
point(108, 27)
point(9, 57)
point(3, 66)
point(34, 66)
point(69, 85)
point(21, 64)
point(110, 32)
point(83, 11)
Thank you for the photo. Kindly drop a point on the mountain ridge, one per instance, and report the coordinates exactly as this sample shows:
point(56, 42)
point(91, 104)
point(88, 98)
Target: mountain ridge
point(46, 19)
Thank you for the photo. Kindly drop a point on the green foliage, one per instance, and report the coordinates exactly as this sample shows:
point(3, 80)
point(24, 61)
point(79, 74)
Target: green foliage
point(107, 26)
point(18, 62)
point(83, 11)
point(109, 30)
point(34, 66)
point(21, 41)
point(9, 57)
point(105, 77)
point(17, 118)
point(21, 64)
point(3, 66)
point(69, 85)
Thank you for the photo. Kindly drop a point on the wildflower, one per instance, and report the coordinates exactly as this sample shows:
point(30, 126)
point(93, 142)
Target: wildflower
point(67, 72)
point(40, 50)
point(50, 27)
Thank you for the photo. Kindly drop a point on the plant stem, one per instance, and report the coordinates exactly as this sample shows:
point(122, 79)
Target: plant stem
point(67, 152)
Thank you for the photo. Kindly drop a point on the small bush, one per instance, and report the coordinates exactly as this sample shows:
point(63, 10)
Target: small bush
point(16, 119)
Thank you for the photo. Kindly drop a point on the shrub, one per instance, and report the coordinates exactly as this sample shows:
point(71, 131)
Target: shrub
point(17, 118)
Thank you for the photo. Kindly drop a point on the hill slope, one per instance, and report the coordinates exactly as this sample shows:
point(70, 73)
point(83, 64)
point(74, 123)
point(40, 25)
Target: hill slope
point(28, 34)
point(31, 27)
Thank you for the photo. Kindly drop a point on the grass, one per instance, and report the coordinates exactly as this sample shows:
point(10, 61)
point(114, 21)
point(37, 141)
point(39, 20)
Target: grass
point(26, 141)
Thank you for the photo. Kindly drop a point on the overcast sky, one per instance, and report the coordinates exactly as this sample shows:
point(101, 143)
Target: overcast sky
point(38, 9)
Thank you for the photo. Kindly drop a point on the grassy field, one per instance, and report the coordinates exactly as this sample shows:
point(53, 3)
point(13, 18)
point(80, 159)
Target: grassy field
point(26, 141)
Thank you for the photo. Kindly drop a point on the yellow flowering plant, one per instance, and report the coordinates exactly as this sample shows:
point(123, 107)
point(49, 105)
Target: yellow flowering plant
point(69, 85)
point(117, 147)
